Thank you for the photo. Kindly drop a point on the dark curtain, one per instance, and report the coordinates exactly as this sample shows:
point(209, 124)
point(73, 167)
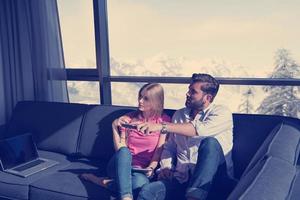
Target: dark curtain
point(31, 54)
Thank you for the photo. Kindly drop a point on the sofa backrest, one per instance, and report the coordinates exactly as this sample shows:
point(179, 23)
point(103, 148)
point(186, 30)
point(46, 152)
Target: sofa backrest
point(82, 129)
point(282, 142)
point(95, 140)
point(55, 126)
point(272, 172)
point(68, 128)
point(249, 133)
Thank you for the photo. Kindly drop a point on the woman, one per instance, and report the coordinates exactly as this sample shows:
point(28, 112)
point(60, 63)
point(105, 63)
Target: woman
point(134, 149)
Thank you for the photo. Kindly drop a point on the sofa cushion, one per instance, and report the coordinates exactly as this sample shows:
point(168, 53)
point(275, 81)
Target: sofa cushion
point(66, 184)
point(55, 126)
point(271, 178)
point(15, 187)
point(96, 135)
point(282, 142)
point(295, 190)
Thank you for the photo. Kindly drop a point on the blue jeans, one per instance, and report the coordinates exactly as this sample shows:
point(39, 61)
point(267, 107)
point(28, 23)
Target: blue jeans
point(125, 182)
point(209, 170)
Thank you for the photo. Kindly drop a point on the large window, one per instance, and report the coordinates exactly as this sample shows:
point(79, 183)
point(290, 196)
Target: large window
point(77, 28)
point(223, 38)
point(232, 39)
point(251, 44)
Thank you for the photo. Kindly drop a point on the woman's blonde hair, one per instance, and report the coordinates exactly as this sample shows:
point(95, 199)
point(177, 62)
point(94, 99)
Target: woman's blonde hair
point(156, 97)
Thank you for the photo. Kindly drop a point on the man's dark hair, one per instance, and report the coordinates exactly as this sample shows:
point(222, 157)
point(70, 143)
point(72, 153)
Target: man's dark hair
point(210, 86)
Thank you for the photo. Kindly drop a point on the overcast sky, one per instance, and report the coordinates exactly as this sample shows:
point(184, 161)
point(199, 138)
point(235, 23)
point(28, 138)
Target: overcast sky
point(245, 33)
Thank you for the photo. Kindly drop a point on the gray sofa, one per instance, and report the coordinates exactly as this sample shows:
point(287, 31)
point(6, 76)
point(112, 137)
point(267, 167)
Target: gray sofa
point(265, 152)
point(272, 172)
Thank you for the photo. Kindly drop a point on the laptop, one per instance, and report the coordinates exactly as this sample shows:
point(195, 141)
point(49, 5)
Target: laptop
point(19, 156)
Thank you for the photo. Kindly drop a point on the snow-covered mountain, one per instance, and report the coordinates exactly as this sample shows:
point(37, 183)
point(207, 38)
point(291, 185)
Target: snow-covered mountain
point(162, 65)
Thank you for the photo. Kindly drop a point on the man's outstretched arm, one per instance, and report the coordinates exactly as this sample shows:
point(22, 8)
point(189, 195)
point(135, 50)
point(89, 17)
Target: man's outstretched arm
point(216, 122)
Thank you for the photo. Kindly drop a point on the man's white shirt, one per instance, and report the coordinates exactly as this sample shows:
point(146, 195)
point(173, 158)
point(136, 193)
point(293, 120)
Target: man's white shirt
point(215, 121)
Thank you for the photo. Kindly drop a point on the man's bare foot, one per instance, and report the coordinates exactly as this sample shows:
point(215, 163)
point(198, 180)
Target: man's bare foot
point(102, 181)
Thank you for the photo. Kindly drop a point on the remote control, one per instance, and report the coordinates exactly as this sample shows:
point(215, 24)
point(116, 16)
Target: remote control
point(143, 170)
point(131, 126)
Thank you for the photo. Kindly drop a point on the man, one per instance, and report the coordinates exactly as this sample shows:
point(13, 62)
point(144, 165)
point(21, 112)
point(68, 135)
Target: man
point(192, 161)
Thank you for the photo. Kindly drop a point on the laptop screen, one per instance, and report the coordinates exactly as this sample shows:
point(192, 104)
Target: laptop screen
point(17, 150)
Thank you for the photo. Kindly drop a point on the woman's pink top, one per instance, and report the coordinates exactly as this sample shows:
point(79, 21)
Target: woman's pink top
point(141, 146)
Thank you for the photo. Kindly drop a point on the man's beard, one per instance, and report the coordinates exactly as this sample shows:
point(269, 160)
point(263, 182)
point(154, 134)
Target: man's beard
point(196, 105)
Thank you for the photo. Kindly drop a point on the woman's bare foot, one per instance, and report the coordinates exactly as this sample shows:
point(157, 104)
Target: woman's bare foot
point(102, 181)
point(127, 198)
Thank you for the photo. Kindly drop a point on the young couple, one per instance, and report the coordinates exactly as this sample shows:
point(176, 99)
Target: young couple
point(192, 162)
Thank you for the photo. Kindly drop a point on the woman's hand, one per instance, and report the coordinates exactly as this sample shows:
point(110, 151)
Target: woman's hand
point(121, 120)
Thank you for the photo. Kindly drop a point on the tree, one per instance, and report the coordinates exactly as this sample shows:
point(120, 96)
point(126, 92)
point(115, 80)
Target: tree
point(282, 100)
point(246, 106)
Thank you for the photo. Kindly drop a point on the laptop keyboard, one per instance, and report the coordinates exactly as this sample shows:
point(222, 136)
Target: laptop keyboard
point(29, 165)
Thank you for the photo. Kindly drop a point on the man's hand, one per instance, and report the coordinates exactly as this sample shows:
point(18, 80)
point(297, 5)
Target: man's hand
point(147, 127)
point(150, 172)
point(165, 173)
